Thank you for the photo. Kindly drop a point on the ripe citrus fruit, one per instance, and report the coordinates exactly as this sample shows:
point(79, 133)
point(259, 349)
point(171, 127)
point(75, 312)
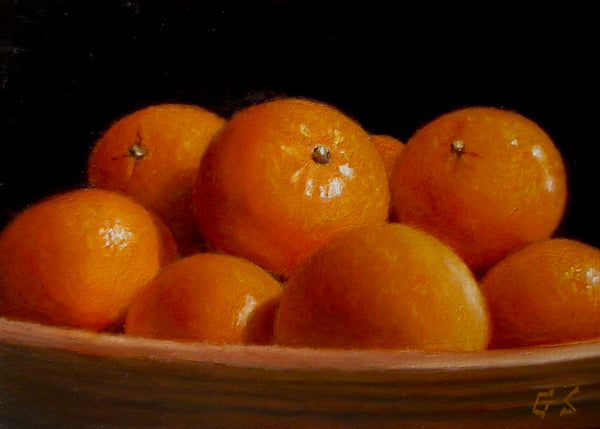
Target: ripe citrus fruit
point(389, 149)
point(153, 155)
point(548, 292)
point(484, 180)
point(384, 286)
point(76, 258)
point(285, 176)
point(207, 297)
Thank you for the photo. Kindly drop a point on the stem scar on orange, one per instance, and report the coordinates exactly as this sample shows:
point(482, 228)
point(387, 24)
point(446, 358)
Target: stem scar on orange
point(285, 176)
point(207, 297)
point(153, 155)
point(484, 180)
point(546, 293)
point(77, 258)
point(384, 286)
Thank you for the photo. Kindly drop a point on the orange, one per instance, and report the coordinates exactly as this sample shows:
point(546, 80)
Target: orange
point(384, 286)
point(283, 177)
point(486, 181)
point(389, 149)
point(77, 258)
point(546, 293)
point(153, 155)
point(207, 297)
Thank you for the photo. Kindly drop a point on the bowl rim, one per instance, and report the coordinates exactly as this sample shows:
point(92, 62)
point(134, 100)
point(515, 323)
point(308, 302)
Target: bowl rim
point(275, 357)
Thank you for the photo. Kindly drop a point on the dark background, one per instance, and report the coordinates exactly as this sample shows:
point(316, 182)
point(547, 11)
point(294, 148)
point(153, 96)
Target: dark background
point(68, 68)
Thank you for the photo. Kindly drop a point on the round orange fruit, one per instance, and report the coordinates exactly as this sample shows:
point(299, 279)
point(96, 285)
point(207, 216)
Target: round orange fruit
point(546, 293)
point(285, 176)
point(207, 297)
point(153, 155)
point(384, 286)
point(389, 149)
point(77, 258)
point(484, 180)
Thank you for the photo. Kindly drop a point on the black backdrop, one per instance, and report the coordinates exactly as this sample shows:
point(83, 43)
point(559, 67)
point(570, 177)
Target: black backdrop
point(68, 68)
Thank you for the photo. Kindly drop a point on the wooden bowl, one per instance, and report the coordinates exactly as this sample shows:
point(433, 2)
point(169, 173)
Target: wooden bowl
point(54, 377)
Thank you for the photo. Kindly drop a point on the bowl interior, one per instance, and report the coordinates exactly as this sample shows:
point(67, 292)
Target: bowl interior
point(277, 357)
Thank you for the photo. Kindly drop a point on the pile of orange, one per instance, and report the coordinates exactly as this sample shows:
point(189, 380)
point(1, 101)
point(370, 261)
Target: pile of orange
point(289, 223)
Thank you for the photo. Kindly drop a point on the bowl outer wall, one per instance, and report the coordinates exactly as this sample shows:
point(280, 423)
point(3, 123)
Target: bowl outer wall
point(76, 378)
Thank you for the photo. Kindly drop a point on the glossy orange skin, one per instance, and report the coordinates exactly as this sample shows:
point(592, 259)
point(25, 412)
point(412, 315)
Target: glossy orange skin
point(174, 138)
point(506, 190)
point(77, 258)
point(546, 293)
point(260, 195)
point(207, 297)
point(389, 149)
point(385, 286)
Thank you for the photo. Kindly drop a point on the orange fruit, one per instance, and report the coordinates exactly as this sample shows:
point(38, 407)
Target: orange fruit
point(77, 258)
point(207, 297)
point(153, 155)
point(486, 181)
point(389, 149)
point(546, 293)
point(285, 176)
point(384, 286)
